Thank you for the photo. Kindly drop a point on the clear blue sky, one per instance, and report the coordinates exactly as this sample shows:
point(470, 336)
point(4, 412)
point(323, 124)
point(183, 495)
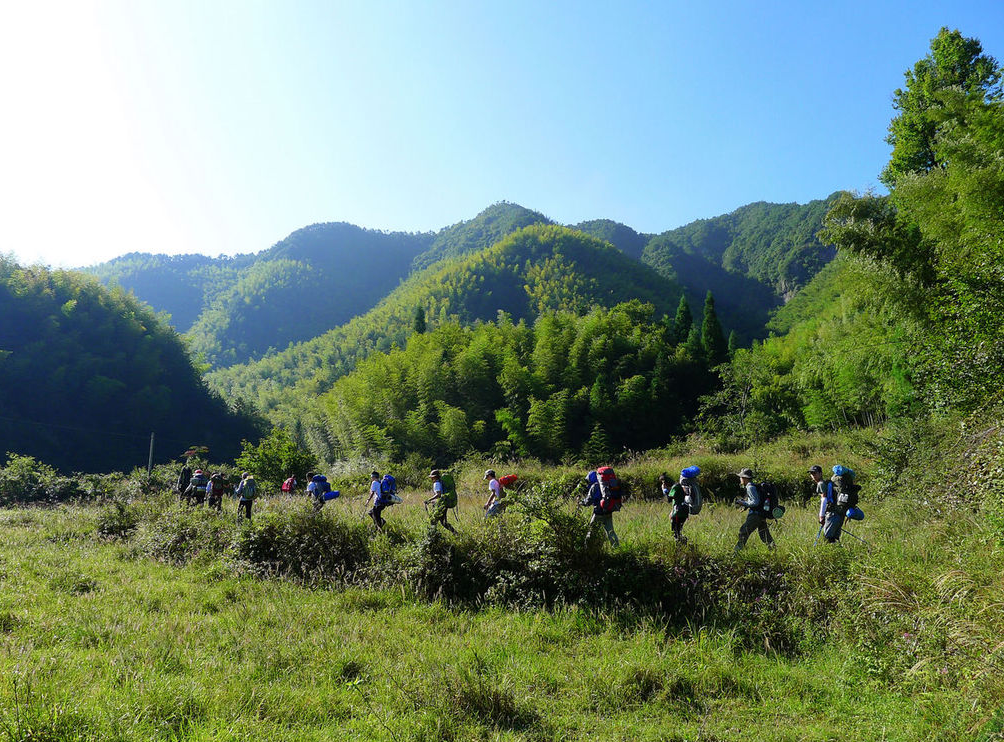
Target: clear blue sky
point(222, 126)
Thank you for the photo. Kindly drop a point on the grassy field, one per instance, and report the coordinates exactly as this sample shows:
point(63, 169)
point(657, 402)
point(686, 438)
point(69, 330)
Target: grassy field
point(100, 641)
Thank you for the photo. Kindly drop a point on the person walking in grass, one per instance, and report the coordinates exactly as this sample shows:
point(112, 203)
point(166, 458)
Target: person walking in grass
point(195, 493)
point(601, 515)
point(444, 497)
point(830, 520)
point(247, 490)
point(379, 501)
point(317, 489)
point(181, 486)
point(756, 520)
point(214, 492)
point(496, 493)
point(685, 496)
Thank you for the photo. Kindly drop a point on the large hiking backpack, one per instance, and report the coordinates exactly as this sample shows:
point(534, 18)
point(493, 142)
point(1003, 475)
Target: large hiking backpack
point(449, 496)
point(693, 496)
point(249, 489)
point(199, 482)
point(288, 485)
point(508, 480)
point(769, 502)
point(844, 490)
point(388, 491)
point(610, 490)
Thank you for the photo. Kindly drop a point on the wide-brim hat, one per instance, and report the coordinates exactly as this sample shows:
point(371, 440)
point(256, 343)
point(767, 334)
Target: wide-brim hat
point(748, 473)
point(434, 473)
point(815, 469)
point(490, 474)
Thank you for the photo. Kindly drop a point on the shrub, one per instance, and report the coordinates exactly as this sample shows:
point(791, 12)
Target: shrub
point(303, 544)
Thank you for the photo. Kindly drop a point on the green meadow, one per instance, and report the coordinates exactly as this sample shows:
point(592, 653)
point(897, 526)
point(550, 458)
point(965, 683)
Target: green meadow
point(145, 620)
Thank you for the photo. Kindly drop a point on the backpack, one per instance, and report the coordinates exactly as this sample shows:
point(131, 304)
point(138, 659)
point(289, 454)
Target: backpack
point(249, 489)
point(449, 496)
point(321, 488)
point(289, 484)
point(508, 480)
point(388, 489)
point(842, 489)
point(199, 482)
point(693, 497)
point(610, 490)
point(769, 502)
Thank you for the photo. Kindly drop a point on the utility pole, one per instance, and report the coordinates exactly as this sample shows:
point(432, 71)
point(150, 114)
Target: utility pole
point(149, 461)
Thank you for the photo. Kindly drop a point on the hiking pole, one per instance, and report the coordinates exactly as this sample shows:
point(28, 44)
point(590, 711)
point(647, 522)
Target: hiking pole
point(869, 546)
point(818, 534)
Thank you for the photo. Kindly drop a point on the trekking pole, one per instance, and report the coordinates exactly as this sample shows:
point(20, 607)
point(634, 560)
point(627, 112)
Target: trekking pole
point(818, 534)
point(869, 546)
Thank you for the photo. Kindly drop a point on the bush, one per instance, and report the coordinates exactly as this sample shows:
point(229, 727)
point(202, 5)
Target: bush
point(303, 544)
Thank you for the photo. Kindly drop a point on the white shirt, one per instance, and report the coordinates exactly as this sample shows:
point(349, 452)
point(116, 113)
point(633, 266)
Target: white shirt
point(375, 489)
point(437, 487)
point(496, 488)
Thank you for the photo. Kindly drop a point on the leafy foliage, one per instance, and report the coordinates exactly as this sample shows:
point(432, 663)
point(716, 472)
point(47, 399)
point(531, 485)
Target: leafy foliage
point(275, 458)
point(565, 387)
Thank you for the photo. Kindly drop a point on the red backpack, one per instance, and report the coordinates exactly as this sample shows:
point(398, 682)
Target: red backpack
point(508, 480)
point(289, 484)
point(610, 490)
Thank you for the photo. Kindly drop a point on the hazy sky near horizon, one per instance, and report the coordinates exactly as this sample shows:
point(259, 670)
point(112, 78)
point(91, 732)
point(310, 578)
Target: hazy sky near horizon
point(220, 126)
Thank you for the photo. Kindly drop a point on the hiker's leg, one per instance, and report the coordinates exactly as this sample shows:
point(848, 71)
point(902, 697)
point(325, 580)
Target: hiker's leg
point(833, 526)
point(589, 529)
point(608, 524)
point(764, 530)
point(745, 530)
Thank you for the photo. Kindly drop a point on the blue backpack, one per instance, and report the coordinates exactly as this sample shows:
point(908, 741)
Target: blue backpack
point(388, 487)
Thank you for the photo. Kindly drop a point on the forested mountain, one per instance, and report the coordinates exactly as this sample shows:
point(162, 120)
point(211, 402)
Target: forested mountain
point(537, 269)
point(619, 235)
point(242, 308)
point(490, 226)
point(87, 373)
point(180, 285)
point(236, 309)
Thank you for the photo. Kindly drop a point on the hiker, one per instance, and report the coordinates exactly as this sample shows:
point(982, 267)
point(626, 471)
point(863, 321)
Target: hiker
point(214, 492)
point(829, 523)
point(756, 520)
point(383, 492)
point(603, 504)
point(839, 495)
point(195, 492)
point(247, 490)
point(445, 498)
point(686, 498)
point(288, 486)
point(496, 492)
point(184, 478)
point(317, 489)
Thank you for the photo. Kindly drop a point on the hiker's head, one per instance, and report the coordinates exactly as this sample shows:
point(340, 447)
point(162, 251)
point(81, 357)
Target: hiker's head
point(374, 475)
point(745, 475)
point(490, 474)
point(816, 472)
point(664, 478)
point(198, 471)
point(245, 474)
point(434, 474)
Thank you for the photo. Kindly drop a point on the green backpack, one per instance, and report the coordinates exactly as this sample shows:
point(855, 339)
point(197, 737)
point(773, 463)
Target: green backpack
point(449, 496)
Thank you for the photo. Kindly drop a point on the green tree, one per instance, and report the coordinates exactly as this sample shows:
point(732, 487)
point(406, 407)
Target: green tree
point(712, 337)
point(274, 458)
point(683, 322)
point(955, 63)
point(419, 324)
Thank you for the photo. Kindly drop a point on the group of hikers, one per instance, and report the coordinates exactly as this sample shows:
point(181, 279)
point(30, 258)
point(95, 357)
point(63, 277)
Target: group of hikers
point(838, 498)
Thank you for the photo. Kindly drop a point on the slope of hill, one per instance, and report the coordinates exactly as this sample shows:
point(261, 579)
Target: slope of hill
point(774, 244)
point(619, 235)
point(484, 230)
point(87, 373)
point(536, 269)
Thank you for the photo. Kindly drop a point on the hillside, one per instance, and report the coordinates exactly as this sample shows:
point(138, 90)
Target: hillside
point(466, 237)
point(87, 373)
point(541, 268)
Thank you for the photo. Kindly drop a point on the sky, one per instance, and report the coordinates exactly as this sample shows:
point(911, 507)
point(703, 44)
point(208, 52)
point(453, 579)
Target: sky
point(221, 126)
